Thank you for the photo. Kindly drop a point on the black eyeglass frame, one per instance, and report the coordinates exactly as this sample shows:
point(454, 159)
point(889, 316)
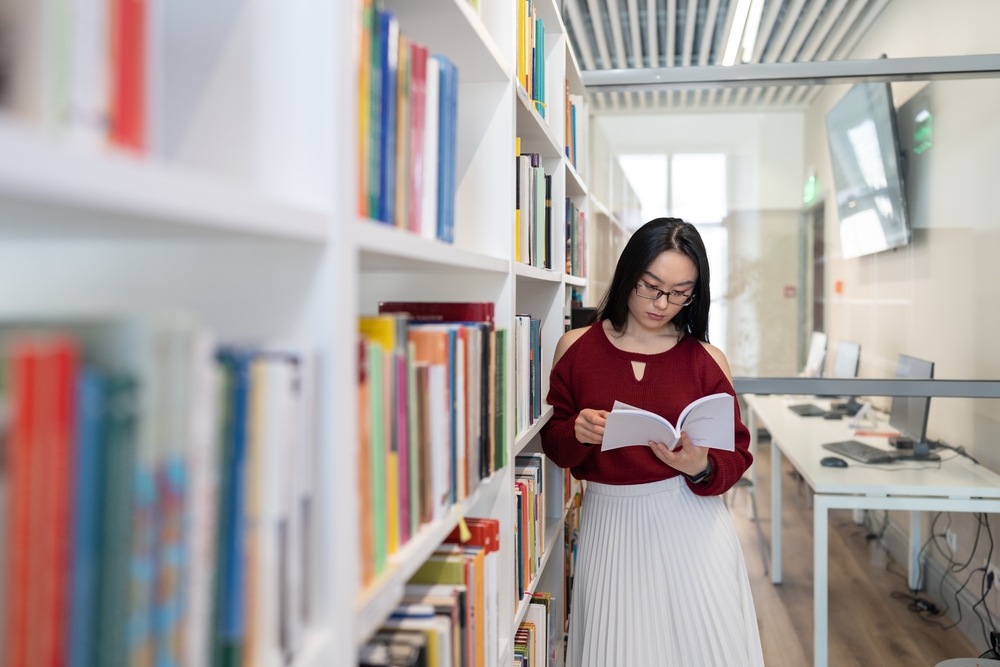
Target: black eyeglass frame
point(688, 299)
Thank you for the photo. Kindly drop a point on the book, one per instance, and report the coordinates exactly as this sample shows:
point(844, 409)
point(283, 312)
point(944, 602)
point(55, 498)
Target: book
point(709, 421)
point(432, 120)
point(441, 311)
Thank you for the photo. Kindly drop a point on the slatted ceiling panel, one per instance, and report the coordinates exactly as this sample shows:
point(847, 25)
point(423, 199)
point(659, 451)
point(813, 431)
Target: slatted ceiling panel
point(613, 34)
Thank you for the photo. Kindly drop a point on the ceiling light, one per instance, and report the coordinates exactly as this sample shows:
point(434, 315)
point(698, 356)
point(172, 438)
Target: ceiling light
point(753, 25)
point(739, 21)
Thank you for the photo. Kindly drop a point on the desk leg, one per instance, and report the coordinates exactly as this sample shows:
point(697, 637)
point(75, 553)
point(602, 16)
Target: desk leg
point(916, 528)
point(820, 581)
point(752, 426)
point(775, 513)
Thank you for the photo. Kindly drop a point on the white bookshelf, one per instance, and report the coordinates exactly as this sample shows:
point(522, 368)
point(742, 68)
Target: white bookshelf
point(244, 214)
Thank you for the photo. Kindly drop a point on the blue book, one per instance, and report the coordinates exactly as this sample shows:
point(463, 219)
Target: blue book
point(447, 145)
point(539, 78)
point(86, 558)
point(230, 563)
point(388, 40)
point(374, 138)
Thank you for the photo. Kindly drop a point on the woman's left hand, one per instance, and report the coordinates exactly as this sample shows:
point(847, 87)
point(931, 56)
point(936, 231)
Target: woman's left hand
point(687, 458)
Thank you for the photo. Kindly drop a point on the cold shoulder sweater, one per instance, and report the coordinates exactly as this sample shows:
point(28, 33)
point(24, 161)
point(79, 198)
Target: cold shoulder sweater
point(593, 373)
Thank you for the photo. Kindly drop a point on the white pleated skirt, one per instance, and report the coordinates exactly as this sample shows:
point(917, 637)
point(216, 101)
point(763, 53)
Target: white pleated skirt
point(660, 581)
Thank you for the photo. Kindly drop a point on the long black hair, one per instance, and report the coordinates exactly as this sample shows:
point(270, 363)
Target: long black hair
point(655, 237)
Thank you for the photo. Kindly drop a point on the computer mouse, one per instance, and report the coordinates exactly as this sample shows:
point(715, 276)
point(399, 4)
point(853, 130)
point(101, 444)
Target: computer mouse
point(833, 462)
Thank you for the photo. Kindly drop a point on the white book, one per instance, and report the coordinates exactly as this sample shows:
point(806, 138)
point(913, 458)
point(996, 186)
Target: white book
point(429, 203)
point(461, 448)
point(89, 86)
point(475, 352)
point(524, 190)
point(537, 616)
point(708, 421)
point(201, 503)
point(440, 423)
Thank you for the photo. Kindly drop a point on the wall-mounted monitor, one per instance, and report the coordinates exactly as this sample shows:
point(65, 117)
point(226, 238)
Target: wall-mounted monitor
point(867, 171)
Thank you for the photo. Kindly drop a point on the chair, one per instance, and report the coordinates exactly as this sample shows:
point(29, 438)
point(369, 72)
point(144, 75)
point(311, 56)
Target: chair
point(746, 484)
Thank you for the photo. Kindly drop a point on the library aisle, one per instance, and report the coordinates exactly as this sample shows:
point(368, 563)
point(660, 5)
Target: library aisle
point(280, 285)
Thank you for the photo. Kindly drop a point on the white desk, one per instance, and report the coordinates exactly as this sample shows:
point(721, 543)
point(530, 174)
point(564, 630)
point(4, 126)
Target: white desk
point(958, 486)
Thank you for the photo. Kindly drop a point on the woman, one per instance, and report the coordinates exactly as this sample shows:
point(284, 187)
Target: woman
point(660, 578)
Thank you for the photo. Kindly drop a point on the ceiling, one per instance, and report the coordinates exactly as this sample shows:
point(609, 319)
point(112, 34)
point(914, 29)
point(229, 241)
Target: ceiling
point(619, 34)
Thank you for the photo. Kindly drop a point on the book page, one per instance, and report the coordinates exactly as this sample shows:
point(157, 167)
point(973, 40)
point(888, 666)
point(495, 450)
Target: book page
point(710, 422)
point(628, 426)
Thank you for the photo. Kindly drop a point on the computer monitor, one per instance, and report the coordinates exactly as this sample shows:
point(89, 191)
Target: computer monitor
point(817, 353)
point(909, 413)
point(845, 364)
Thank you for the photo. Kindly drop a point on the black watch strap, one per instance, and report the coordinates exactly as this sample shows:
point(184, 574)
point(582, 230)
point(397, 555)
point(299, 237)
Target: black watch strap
point(703, 475)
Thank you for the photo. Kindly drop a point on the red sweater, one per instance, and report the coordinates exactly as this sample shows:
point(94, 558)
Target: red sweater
point(593, 373)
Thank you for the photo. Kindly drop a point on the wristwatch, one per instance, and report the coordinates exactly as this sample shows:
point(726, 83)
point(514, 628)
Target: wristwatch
point(703, 475)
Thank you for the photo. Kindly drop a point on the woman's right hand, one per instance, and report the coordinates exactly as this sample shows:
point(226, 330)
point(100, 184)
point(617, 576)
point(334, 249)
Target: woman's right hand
point(589, 426)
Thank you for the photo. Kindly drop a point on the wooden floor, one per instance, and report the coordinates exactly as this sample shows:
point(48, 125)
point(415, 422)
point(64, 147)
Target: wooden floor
point(867, 626)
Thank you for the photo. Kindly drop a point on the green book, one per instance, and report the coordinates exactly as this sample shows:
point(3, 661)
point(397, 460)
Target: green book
point(121, 435)
point(376, 444)
point(500, 452)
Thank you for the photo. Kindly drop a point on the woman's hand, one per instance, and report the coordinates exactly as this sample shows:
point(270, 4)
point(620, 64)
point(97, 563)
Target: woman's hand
point(589, 426)
point(687, 458)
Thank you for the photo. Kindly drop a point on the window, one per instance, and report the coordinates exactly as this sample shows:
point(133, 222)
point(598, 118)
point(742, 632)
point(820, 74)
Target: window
point(648, 176)
point(698, 187)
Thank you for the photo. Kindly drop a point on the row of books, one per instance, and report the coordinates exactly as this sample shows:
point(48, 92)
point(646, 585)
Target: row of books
point(432, 422)
point(450, 612)
point(531, 53)
point(408, 130)
point(534, 643)
point(77, 67)
point(571, 535)
point(157, 498)
point(576, 241)
point(575, 126)
point(527, 370)
point(533, 210)
point(529, 526)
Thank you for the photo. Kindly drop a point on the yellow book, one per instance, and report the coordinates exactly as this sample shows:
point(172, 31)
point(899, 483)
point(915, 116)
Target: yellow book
point(517, 211)
point(403, 147)
point(520, 44)
point(381, 330)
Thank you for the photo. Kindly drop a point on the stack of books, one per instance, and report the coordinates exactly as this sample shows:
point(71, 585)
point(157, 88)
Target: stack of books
point(533, 210)
point(527, 370)
point(450, 612)
point(432, 421)
point(529, 526)
point(157, 497)
point(576, 241)
point(531, 53)
point(408, 130)
point(533, 644)
point(79, 68)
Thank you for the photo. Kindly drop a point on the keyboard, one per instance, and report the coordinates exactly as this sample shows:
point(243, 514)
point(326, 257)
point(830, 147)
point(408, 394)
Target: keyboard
point(807, 410)
point(861, 452)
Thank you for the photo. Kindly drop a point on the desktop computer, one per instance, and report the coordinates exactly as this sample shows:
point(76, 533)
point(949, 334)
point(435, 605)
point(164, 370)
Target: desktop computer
point(845, 364)
point(909, 413)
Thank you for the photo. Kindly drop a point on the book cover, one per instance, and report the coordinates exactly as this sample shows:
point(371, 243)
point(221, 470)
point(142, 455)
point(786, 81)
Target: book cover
point(418, 103)
point(709, 421)
point(432, 121)
point(128, 74)
point(448, 146)
point(364, 105)
point(402, 219)
point(371, 137)
point(441, 311)
point(389, 43)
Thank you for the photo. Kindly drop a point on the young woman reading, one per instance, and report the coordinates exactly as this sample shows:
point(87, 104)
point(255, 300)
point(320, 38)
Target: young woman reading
point(660, 579)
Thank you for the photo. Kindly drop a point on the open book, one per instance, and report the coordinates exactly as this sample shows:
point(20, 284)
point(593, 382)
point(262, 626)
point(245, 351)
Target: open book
point(708, 421)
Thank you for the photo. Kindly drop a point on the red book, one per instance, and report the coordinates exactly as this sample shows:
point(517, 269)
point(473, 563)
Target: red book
point(485, 533)
point(128, 74)
point(418, 91)
point(440, 311)
point(19, 452)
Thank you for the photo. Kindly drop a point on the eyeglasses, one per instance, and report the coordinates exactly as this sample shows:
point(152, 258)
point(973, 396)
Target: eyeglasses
point(673, 298)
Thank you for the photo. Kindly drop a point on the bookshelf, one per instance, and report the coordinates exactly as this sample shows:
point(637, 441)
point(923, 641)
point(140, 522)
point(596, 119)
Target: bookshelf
point(242, 214)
